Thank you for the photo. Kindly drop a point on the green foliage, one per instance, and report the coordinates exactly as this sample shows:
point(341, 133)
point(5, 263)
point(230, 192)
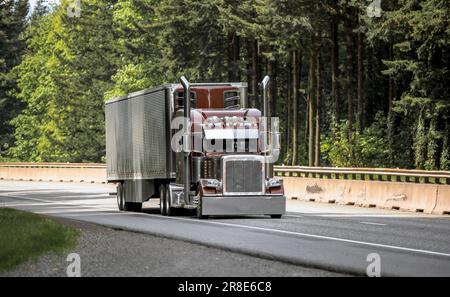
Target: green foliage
point(55, 78)
point(367, 149)
point(12, 23)
point(62, 79)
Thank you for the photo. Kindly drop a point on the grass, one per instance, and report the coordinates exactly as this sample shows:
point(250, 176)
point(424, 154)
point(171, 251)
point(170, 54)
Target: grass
point(25, 236)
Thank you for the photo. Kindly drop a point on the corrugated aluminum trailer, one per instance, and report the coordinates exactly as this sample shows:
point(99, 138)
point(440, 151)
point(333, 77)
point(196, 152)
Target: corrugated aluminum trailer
point(138, 143)
point(137, 136)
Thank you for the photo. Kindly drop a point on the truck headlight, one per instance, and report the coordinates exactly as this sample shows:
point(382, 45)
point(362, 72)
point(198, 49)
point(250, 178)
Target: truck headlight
point(211, 183)
point(274, 183)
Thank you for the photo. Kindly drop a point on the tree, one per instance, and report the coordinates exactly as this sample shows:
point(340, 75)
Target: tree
point(62, 79)
point(12, 23)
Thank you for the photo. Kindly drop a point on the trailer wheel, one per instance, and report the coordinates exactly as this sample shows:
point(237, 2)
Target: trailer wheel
point(162, 200)
point(200, 211)
point(120, 198)
point(275, 216)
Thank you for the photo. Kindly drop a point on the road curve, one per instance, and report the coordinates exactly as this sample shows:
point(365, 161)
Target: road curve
point(331, 237)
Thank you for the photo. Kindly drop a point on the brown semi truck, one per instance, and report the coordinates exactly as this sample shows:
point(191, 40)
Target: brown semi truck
point(195, 146)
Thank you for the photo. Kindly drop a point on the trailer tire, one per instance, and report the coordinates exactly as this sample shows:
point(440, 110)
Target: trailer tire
point(120, 197)
point(275, 216)
point(162, 200)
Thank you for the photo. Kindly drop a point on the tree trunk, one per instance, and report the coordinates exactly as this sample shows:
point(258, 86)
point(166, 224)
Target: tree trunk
point(254, 81)
point(349, 84)
point(335, 65)
point(233, 57)
point(318, 91)
point(391, 81)
point(311, 103)
point(237, 56)
point(273, 88)
point(294, 105)
point(361, 103)
point(289, 104)
point(299, 101)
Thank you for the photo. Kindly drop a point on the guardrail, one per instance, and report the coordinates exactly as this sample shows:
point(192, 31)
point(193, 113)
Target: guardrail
point(368, 174)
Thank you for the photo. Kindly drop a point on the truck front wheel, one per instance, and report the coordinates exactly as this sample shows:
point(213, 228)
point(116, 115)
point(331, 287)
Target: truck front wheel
point(170, 211)
point(162, 200)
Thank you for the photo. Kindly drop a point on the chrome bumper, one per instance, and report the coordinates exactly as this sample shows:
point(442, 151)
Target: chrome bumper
point(244, 205)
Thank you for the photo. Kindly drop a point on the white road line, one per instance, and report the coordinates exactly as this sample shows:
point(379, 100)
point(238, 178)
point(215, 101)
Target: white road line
point(294, 216)
point(50, 202)
point(373, 215)
point(300, 234)
point(371, 223)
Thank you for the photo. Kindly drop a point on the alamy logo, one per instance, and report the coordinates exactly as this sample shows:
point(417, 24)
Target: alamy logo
point(74, 268)
point(74, 9)
point(374, 268)
point(374, 9)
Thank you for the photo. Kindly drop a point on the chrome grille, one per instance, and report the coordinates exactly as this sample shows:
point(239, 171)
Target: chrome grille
point(243, 175)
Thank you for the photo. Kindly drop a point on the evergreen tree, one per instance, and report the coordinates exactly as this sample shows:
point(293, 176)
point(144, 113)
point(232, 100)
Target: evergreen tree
point(12, 23)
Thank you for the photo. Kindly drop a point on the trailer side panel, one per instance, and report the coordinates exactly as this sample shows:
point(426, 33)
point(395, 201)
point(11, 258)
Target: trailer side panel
point(136, 136)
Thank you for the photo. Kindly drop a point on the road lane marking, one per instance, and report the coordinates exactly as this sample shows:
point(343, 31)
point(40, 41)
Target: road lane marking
point(294, 216)
point(75, 203)
point(371, 223)
point(421, 215)
point(301, 234)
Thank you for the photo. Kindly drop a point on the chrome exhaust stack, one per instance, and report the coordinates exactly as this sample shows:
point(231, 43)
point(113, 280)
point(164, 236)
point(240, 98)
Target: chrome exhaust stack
point(186, 138)
point(268, 168)
point(265, 86)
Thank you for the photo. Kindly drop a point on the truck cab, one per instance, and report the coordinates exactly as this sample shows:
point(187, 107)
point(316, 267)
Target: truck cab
point(225, 155)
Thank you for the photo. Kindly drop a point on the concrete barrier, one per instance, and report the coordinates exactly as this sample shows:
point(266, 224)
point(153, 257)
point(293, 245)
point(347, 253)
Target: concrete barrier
point(427, 198)
point(94, 174)
point(443, 201)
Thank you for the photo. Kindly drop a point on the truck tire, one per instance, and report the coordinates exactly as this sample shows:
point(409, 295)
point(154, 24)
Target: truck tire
point(162, 200)
point(200, 211)
point(120, 197)
point(275, 216)
point(133, 206)
point(170, 211)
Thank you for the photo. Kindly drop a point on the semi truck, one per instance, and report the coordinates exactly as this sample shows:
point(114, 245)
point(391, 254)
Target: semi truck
point(194, 146)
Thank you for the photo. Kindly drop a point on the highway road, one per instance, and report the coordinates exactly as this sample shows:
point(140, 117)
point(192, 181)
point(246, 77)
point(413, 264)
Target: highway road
point(326, 236)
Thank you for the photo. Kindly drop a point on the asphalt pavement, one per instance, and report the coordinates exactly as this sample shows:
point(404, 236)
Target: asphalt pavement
point(314, 235)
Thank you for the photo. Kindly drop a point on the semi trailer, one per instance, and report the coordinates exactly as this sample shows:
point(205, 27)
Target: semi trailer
point(194, 146)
